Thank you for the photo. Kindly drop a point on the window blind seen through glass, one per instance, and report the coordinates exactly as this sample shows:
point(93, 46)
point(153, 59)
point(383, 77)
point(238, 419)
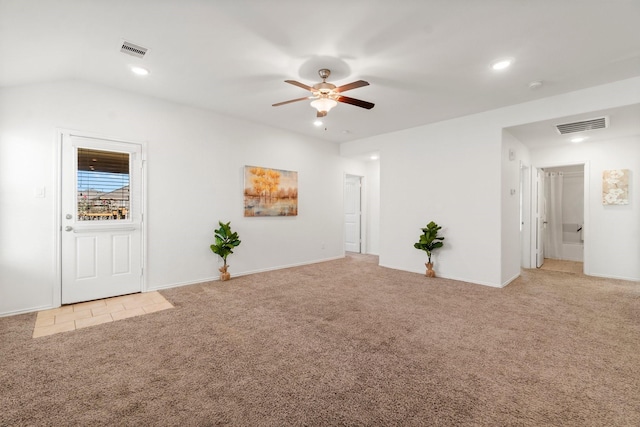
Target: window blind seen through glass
point(103, 185)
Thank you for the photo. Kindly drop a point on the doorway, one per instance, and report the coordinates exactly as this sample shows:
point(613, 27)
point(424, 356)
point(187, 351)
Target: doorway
point(101, 216)
point(352, 213)
point(564, 195)
point(559, 200)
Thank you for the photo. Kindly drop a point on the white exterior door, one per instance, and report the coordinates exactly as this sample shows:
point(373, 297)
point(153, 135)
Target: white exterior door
point(101, 224)
point(352, 215)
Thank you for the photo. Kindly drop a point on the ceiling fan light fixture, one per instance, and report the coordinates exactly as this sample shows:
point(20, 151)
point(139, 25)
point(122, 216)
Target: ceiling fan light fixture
point(326, 95)
point(324, 104)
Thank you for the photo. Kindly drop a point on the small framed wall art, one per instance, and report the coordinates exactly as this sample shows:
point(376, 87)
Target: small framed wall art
point(615, 187)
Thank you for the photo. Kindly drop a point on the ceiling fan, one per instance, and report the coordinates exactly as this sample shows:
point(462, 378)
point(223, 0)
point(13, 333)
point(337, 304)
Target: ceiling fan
point(326, 95)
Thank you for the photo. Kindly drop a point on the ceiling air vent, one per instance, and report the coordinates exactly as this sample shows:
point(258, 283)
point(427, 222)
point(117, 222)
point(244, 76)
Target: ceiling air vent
point(133, 49)
point(585, 125)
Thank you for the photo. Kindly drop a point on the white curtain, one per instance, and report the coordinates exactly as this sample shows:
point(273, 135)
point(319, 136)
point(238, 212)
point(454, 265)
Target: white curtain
point(553, 214)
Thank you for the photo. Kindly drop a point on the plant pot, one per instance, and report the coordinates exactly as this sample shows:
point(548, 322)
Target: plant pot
point(224, 274)
point(430, 272)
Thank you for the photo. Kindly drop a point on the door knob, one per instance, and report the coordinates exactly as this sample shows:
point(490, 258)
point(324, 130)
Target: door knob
point(68, 228)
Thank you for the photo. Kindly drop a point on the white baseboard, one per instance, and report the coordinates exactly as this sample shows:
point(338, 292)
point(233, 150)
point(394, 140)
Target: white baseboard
point(27, 310)
point(244, 273)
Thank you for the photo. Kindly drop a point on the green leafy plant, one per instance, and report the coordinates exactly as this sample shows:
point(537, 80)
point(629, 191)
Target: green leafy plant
point(226, 241)
point(429, 239)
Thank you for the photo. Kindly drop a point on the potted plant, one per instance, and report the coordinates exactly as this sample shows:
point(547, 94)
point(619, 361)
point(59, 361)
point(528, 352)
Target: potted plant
point(226, 241)
point(429, 241)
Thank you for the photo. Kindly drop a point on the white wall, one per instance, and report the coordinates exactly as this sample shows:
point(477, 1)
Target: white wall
point(435, 173)
point(514, 155)
point(372, 191)
point(611, 233)
point(455, 173)
point(195, 161)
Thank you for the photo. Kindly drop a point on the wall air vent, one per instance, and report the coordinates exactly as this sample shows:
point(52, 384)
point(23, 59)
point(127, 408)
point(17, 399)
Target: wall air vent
point(585, 125)
point(133, 49)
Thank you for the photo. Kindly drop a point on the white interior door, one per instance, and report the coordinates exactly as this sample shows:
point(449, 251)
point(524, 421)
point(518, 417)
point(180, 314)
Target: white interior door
point(352, 213)
point(101, 202)
point(540, 217)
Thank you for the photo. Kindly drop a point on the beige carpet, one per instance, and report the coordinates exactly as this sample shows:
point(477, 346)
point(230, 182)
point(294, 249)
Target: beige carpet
point(341, 343)
point(562, 265)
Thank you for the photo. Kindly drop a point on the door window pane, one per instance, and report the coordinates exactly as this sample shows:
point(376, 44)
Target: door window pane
point(103, 185)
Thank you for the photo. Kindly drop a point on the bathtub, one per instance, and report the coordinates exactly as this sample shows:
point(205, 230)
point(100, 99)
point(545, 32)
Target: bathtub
point(572, 244)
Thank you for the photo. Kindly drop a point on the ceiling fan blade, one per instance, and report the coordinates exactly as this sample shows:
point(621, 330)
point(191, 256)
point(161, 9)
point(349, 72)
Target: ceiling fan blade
point(356, 102)
point(290, 101)
point(302, 85)
point(350, 86)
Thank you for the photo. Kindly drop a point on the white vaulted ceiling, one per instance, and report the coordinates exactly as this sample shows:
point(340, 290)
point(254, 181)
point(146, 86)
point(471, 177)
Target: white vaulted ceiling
point(425, 60)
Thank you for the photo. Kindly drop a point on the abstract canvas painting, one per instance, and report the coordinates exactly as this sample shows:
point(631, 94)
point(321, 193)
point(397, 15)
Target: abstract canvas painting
point(615, 187)
point(270, 192)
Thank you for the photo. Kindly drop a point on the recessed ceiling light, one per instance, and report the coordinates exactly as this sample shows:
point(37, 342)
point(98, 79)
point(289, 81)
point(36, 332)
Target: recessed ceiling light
point(139, 71)
point(578, 139)
point(501, 64)
point(318, 123)
point(374, 157)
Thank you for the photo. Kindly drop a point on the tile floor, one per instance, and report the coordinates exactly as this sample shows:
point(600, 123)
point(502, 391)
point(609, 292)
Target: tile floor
point(561, 265)
point(85, 314)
